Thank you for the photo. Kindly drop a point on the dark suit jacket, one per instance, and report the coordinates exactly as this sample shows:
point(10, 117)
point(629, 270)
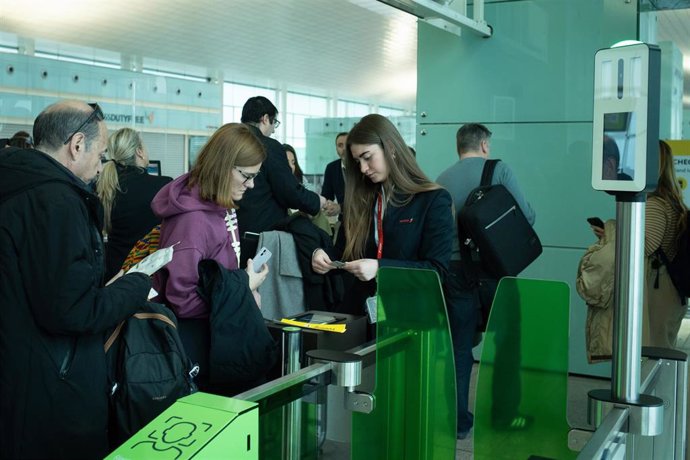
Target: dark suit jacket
point(334, 182)
point(417, 235)
point(275, 191)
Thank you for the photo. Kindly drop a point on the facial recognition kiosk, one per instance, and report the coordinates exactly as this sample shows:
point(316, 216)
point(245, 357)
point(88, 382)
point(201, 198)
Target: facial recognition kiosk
point(625, 163)
point(625, 133)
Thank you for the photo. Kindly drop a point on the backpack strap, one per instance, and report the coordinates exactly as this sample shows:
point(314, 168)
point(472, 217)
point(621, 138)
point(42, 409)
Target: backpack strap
point(663, 259)
point(158, 316)
point(470, 268)
point(488, 172)
point(113, 337)
point(111, 340)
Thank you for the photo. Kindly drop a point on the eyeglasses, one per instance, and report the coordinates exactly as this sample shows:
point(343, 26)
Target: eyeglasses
point(276, 123)
point(97, 114)
point(247, 176)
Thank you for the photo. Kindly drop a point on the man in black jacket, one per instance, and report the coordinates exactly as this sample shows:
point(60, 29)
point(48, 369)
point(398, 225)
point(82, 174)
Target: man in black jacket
point(55, 310)
point(275, 188)
point(334, 176)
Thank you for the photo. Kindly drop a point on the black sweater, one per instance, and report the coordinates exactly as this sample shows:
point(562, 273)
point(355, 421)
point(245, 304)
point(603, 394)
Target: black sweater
point(131, 217)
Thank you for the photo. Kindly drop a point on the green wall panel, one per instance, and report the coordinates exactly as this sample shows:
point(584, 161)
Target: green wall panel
point(552, 162)
point(538, 65)
point(532, 84)
point(553, 165)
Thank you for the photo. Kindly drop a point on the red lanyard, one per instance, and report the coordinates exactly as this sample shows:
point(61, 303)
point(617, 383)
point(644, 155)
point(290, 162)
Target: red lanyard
point(379, 226)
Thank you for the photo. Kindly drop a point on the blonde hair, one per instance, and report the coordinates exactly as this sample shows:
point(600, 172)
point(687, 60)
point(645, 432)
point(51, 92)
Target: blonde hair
point(122, 149)
point(668, 187)
point(231, 145)
point(405, 179)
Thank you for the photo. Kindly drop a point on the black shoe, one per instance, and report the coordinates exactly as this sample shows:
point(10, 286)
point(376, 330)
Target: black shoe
point(464, 434)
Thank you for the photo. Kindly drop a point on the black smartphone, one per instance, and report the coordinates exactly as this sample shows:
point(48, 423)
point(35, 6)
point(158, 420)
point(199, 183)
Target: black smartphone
point(595, 222)
point(316, 318)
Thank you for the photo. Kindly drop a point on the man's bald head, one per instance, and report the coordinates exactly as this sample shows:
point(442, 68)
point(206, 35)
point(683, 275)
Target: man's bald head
point(58, 121)
point(74, 134)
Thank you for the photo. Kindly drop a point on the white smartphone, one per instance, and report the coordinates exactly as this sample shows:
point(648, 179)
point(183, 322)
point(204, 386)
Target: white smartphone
point(261, 258)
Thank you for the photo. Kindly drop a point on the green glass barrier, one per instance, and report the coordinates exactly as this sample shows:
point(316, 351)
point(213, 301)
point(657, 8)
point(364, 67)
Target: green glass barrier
point(275, 438)
point(522, 384)
point(415, 408)
point(287, 417)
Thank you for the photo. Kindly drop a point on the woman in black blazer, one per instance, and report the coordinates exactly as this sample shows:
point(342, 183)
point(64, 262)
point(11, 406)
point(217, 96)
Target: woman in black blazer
point(126, 191)
point(394, 216)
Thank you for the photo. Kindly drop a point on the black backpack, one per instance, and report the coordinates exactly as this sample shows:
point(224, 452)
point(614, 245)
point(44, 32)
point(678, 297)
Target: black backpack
point(149, 369)
point(679, 268)
point(492, 223)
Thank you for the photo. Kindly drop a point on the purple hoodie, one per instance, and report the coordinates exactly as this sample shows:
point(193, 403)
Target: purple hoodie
point(199, 227)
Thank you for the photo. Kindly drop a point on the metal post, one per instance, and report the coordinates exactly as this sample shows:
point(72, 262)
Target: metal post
point(681, 408)
point(627, 316)
point(293, 414)
point(291, 349)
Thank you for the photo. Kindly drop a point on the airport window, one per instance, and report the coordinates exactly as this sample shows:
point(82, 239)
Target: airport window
point(299, 108)
point(235, 95)
point(391, 112)
point(353, 109)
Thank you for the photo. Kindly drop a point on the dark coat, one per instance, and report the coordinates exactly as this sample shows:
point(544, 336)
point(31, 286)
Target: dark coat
point(242, 350)
point(416, 235)
point(334, 182)
point(275, 191)
point(55, 311)
point(131, 217)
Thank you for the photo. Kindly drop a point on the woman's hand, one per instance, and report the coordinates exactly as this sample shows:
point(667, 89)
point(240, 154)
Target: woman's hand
point(320, 262)
point(255, 279)
point(257, 298)
point(332, 208)
point(363, 269)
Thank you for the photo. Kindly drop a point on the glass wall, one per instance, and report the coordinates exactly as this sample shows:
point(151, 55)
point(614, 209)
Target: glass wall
point(299, 108)
point(235, 95)
point(294, 109)
point(176, 106)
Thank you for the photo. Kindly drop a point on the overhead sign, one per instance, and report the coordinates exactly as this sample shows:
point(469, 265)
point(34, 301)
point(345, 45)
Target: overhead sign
point(681, 159)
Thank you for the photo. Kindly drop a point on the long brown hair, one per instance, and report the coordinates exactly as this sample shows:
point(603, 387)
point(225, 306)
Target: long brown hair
point(668, 187)
point(231, 145)
point(405, 179)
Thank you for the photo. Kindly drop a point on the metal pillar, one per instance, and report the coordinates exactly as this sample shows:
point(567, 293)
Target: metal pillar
point(629, 288)
point(293, 414)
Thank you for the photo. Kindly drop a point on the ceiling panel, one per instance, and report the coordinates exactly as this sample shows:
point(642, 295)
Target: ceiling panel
point(360, 49)
point(352, 49)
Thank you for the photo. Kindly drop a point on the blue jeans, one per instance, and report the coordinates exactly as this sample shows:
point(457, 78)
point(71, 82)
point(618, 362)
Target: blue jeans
point(463, 306)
